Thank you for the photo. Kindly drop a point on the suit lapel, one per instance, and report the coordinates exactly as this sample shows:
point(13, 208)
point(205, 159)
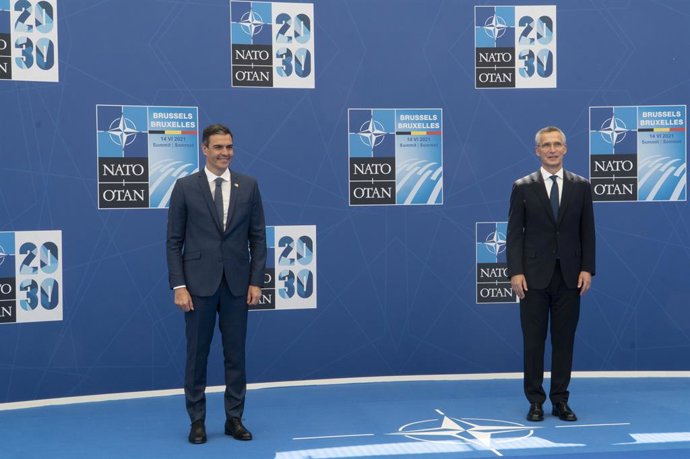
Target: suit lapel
point(206, 193)
point(234, 191)
point(567, 196)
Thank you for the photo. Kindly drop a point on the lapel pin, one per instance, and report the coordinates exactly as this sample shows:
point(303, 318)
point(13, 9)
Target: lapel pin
point(237, 185)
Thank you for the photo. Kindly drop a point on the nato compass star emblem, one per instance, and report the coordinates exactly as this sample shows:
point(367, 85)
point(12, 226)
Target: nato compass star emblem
point(372, 133)
point(495, 242)
point(123, 131)
point(495, 27)
point(613, 130)
point(484, 433)
point(3, 255)
point(252, 23)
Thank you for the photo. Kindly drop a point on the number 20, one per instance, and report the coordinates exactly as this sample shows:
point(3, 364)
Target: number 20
point(304, 250)
point(302, 28)
point(544, 30)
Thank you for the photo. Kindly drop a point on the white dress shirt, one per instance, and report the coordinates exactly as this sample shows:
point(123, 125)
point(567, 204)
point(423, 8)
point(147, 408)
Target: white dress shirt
point(225, 187)
point(548, 182)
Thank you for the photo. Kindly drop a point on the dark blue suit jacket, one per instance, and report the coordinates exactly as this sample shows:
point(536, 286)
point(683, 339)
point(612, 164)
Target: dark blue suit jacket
point(199, 251)
point(535, 239)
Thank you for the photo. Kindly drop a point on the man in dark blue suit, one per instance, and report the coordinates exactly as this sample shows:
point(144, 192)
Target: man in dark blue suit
point(550, 250)
point(216, 251)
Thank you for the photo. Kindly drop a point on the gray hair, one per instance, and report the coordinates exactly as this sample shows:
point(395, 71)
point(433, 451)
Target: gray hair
point(546, 129)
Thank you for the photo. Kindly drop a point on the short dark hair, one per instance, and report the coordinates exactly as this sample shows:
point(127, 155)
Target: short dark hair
point(215, 129)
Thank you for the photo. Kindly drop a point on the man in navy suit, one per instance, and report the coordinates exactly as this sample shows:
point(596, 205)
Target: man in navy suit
point(216, 251)
point(550, 250)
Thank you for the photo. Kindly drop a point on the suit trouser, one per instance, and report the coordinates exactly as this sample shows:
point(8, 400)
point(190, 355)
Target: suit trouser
point(199, 328)
point(563, 305)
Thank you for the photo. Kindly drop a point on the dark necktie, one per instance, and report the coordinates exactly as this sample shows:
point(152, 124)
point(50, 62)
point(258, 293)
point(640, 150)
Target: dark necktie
point(218, 200)
point(554, 196)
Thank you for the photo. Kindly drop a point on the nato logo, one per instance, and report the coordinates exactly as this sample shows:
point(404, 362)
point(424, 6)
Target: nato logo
point(290, 276)
point(30, 276)
point(443, 434)
point(493, 283)
point(638, 153)
point(272, 44)
point(142, 151)
point(395, 156)
point(476, 433)
point(252, 25)
point(29, 32)
point(515, 46)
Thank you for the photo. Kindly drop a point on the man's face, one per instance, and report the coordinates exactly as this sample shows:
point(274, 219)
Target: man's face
point(218, 153)
point(551, 150)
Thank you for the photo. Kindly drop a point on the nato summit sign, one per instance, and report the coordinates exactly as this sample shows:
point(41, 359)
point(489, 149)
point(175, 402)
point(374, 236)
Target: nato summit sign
point(395, 156)
point(30, 276)
point(142, 151)
point(272, 44)
point(290, 276)
point(493, 283)
point(515, 46)
point(638, 153)
point(28, 40)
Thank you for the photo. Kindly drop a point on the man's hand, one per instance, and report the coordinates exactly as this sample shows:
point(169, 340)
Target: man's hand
point(253, 295)
point(519, 284)
point(183, 299)
point(584, 282)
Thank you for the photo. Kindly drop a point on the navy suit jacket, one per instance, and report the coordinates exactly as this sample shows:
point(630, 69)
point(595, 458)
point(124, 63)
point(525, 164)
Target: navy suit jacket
point(535, 239)
point(199, 251)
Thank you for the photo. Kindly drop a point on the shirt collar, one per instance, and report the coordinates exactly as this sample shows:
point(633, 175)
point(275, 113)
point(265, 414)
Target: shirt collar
point(547, 175)
point(210, 176)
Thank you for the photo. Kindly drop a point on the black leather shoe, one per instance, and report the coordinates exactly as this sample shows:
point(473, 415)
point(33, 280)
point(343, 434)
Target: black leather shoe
point(535, 413)
point(563, 411)
point(236, 430)
point(197, 434)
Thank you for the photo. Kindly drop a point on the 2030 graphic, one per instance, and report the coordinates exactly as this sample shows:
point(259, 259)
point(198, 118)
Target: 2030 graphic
point(515, 46)
point(30, 276)
point(28, 40)
point(290, 276)
point(272, 44)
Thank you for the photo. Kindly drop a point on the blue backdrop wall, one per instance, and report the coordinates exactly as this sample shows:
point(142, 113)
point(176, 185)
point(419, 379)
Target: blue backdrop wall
point(396, 284)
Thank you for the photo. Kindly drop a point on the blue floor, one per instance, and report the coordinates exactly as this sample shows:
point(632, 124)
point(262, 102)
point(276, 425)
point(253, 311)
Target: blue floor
point(618, 418)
